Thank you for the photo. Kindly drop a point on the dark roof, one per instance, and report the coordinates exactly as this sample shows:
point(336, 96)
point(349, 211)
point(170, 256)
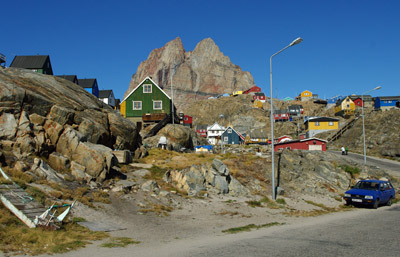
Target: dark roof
point(87, 83)
point(259, 94)
point(321, 119)
point(295, 106)
point(365, 97)
point(30, 61)
point(68, 77)
point(300, 140)
point(280, 111)
point(384, 98)
point(104, 93)
point(201, 127)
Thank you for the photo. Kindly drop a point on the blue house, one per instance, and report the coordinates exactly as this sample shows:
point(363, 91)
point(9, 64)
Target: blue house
point(386, 102)
point(90, 85)
point(231, 136)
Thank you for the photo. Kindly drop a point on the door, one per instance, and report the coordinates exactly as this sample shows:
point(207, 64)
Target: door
point(315, 147)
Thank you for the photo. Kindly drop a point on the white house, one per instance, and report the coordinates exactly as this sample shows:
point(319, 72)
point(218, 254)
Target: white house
point(107, 96)
point(214, 133)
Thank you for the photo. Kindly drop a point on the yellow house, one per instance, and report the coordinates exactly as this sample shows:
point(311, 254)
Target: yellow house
point(305, 95)
point(320, 124)
point(235, 93)
point(257, 104)
point(345, 107)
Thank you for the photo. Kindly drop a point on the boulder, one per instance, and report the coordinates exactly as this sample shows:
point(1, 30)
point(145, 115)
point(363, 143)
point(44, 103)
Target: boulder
point(78, 171)
point(8, 126)
point(43, 170)
point(97, 159)
point(58, 162)
point(53, 130)
point(150, 186)
point(61, 115)
point(68, 142)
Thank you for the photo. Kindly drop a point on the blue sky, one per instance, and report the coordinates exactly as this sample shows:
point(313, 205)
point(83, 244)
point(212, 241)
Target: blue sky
point(349, 46)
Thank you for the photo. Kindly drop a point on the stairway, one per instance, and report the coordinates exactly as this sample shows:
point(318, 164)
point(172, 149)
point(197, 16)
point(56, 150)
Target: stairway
point(343, 129)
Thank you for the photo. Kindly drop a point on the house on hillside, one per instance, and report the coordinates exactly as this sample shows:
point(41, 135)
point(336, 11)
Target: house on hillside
point(386, 102)
point(257, 136)
point(259, 96)
point(358, 100)
point(146, 102)
point(90, 85)
point(214, 133)
point(252, 90)
point(202, 130)
point(288, 99)
point(311, 144)
point(317, 125)
point(331, 102)
point(70, 78)
point(257, 104)
point(232, 137)
point(295, 110)
point(305, 96)
point(345, 107)
point(281, 115)
point(37, 63)
point(2, 60)
point(236, 93)
point(185, 120)
point(107, 96)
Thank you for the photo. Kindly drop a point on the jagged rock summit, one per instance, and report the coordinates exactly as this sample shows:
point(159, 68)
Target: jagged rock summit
point(196, 74)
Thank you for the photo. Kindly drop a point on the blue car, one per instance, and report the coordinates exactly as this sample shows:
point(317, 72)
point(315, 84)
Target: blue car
point(371, 193)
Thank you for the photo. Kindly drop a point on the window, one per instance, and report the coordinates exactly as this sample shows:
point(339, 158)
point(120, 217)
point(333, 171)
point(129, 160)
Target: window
point(137, 105)
point(331, 123)
point(317, 123)
point(229, 131)
point(225, 139)
point(389, 102)
point(157, 105)
point(147, 88)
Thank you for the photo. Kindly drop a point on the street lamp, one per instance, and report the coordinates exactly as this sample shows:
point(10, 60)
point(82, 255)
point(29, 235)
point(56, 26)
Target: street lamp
point(294, 42)
point(362, 114)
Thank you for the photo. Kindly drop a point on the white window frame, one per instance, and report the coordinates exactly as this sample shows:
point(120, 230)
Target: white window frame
point(133, 105)
point(154, 105)
point(317, 123)
point(331, 123)
point(230, 131)
point(225, 139)
point(145, 88)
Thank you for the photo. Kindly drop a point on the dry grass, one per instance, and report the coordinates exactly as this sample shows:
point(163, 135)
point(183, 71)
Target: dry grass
point(17, 238)
point(250, 227)
point(119, 242)
point(158, 208)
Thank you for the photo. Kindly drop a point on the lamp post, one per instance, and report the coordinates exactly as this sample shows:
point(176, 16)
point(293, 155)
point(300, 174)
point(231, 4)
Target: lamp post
point(294, 42)
point(362, 114)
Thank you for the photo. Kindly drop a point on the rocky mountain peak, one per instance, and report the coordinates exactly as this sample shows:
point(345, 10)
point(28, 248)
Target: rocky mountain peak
point(193, 75)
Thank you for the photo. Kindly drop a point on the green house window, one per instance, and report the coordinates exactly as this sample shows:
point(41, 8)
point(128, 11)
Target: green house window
point(147, 88)
point(137, 105)
point(157, 105)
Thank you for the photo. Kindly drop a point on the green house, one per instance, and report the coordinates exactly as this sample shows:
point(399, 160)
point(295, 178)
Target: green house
point(146, 102)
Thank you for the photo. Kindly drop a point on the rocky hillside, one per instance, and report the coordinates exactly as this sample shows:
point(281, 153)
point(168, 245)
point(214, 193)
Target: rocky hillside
point(239, 112)
point(381, 134)
point(196, 74)
point(62, 124)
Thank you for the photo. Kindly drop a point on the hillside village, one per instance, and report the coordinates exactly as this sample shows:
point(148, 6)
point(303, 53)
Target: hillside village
point(144, 157)
point(148, 104)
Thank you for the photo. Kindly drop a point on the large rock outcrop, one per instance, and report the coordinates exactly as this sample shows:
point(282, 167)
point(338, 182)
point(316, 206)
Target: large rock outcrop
point(41, 115)
point(196, 75)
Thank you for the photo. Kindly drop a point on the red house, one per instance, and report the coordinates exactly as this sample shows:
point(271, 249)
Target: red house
point(358, 102)
point(202, 130)
point(281, 115)
point(312, 144)
point(259, 96)
point(254, 89)
point(187, 120)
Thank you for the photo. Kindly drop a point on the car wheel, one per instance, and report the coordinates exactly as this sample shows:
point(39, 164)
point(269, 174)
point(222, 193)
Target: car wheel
point(376, 204)
point(389, 203)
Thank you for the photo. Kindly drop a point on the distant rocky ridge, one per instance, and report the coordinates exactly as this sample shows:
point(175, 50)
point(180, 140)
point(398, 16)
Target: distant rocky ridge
point(197, 75)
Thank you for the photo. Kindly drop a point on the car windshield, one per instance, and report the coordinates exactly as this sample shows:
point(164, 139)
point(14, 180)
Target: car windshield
point(367, 185)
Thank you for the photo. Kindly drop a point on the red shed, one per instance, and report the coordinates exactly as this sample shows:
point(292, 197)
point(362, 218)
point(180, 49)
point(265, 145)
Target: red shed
point(202, 130)
point(254, 89)
point(312, 144)
point(259, 96)
point(187, 120)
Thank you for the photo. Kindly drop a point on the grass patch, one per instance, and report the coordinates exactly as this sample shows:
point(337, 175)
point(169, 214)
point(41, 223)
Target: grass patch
point(320, 205)
point(250, 227)
point(17, 238)
point(265, 201)
point(353, 171)
point(281, 201)
point(119, 242)
point(159, 209)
